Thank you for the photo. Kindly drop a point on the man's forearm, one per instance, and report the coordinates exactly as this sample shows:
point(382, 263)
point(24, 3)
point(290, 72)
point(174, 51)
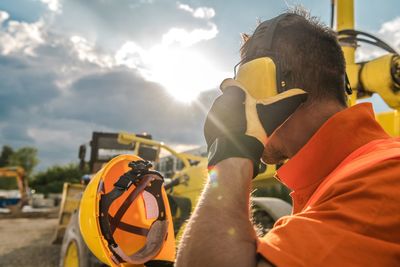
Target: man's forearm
point(219, 232)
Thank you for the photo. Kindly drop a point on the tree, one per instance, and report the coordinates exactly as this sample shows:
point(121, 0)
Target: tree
point(6, 153)
point(52, 179)
point(26, 157)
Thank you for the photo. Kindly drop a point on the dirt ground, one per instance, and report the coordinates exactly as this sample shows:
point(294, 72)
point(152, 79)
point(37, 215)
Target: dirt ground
point(26, 242)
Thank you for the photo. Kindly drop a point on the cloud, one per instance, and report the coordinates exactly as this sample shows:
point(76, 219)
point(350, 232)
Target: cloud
point(170, 60)
point(110, 24)
point(131, 55)
point(35, 112)
point(62, 78)
point(86, 51)
point(122, 99)
point(20, 36)
point(388, 32)
point(200, 12)
point(53, 5)
point(183, 72)
point(23, 86)
point(58, 139)
point(111, 101)
point(188, 38)
point(3, 16)
point(391, 32)
point(18, 133)
point(174, 62)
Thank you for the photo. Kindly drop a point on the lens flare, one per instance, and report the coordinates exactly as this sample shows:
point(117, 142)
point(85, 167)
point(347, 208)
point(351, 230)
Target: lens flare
point(212, 177)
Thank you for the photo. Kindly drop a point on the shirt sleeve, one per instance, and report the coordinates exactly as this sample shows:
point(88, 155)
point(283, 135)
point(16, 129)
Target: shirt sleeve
point(351, 223)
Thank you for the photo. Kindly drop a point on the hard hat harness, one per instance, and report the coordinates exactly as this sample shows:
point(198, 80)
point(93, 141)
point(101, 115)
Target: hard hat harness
point(144, 180)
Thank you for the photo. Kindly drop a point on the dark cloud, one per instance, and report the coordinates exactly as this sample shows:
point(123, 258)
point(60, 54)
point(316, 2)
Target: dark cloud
point(23, 85)
point(38, 113)
point(17, 133)
point(123, 100)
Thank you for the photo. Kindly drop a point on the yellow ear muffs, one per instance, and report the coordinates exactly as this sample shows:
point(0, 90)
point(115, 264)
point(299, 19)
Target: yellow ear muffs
point(258, 77)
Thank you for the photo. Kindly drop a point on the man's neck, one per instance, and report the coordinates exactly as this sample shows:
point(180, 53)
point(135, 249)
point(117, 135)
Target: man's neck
point(305, 122)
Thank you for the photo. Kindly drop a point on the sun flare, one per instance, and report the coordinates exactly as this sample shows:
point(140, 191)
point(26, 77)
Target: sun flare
point(184, 73)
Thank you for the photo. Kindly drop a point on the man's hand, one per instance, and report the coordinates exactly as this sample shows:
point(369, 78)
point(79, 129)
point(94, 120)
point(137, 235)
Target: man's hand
point(238, 125)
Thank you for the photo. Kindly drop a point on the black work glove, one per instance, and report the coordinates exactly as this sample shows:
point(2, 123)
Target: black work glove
point(238, 125)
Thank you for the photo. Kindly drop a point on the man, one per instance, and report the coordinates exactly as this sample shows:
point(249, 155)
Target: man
point(343, 168)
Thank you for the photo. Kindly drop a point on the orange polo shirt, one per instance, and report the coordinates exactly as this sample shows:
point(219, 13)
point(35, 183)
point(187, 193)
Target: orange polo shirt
point(356, 222)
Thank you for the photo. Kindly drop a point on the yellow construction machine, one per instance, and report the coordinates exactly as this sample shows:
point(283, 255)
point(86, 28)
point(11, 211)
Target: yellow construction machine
point(377, 76)
point(184, 180)
point(13, 188)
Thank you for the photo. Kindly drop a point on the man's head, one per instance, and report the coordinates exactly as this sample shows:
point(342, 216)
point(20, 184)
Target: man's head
point(310, 58)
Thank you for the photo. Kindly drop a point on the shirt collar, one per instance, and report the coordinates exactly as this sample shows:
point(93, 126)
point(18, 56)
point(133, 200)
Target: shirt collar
point(340, 135)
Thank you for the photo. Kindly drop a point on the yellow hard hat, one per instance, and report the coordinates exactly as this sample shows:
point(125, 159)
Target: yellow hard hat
point(124, 215)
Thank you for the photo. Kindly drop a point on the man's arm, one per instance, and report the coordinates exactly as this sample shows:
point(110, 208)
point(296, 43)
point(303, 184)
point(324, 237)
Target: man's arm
point(220, 232)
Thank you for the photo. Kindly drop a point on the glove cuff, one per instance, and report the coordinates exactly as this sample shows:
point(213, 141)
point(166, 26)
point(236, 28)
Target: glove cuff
point(239, 146)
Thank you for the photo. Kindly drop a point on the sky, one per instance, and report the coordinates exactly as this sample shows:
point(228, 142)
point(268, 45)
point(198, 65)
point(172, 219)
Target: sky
point(70, 67)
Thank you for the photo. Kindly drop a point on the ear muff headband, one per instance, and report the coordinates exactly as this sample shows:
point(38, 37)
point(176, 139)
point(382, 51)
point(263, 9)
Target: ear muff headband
point(261, 43)
point(144, 180)
point(263, 36)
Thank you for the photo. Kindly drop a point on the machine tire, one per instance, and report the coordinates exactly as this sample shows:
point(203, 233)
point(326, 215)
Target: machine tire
point(262, 220)
point(74, 252)
point(267, 210)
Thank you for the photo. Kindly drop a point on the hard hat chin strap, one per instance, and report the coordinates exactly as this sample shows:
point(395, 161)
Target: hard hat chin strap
point(144, 180)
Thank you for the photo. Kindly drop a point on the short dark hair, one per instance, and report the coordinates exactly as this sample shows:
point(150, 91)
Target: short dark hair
point(309, 55)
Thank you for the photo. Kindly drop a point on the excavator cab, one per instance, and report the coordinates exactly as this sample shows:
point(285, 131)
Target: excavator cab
point(105, 146)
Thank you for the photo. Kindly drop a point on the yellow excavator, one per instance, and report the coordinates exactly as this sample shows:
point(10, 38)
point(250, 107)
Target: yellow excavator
point(13, 188)
point(377, 76)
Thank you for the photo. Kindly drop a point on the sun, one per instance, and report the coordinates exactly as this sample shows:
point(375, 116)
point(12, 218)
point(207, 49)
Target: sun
point(184, 73)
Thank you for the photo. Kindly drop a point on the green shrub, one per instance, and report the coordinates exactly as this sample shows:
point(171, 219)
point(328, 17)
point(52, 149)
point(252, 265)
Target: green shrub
point(52, 179)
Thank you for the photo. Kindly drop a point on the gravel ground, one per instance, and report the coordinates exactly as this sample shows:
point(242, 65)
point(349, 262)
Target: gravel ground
point(26, 242)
